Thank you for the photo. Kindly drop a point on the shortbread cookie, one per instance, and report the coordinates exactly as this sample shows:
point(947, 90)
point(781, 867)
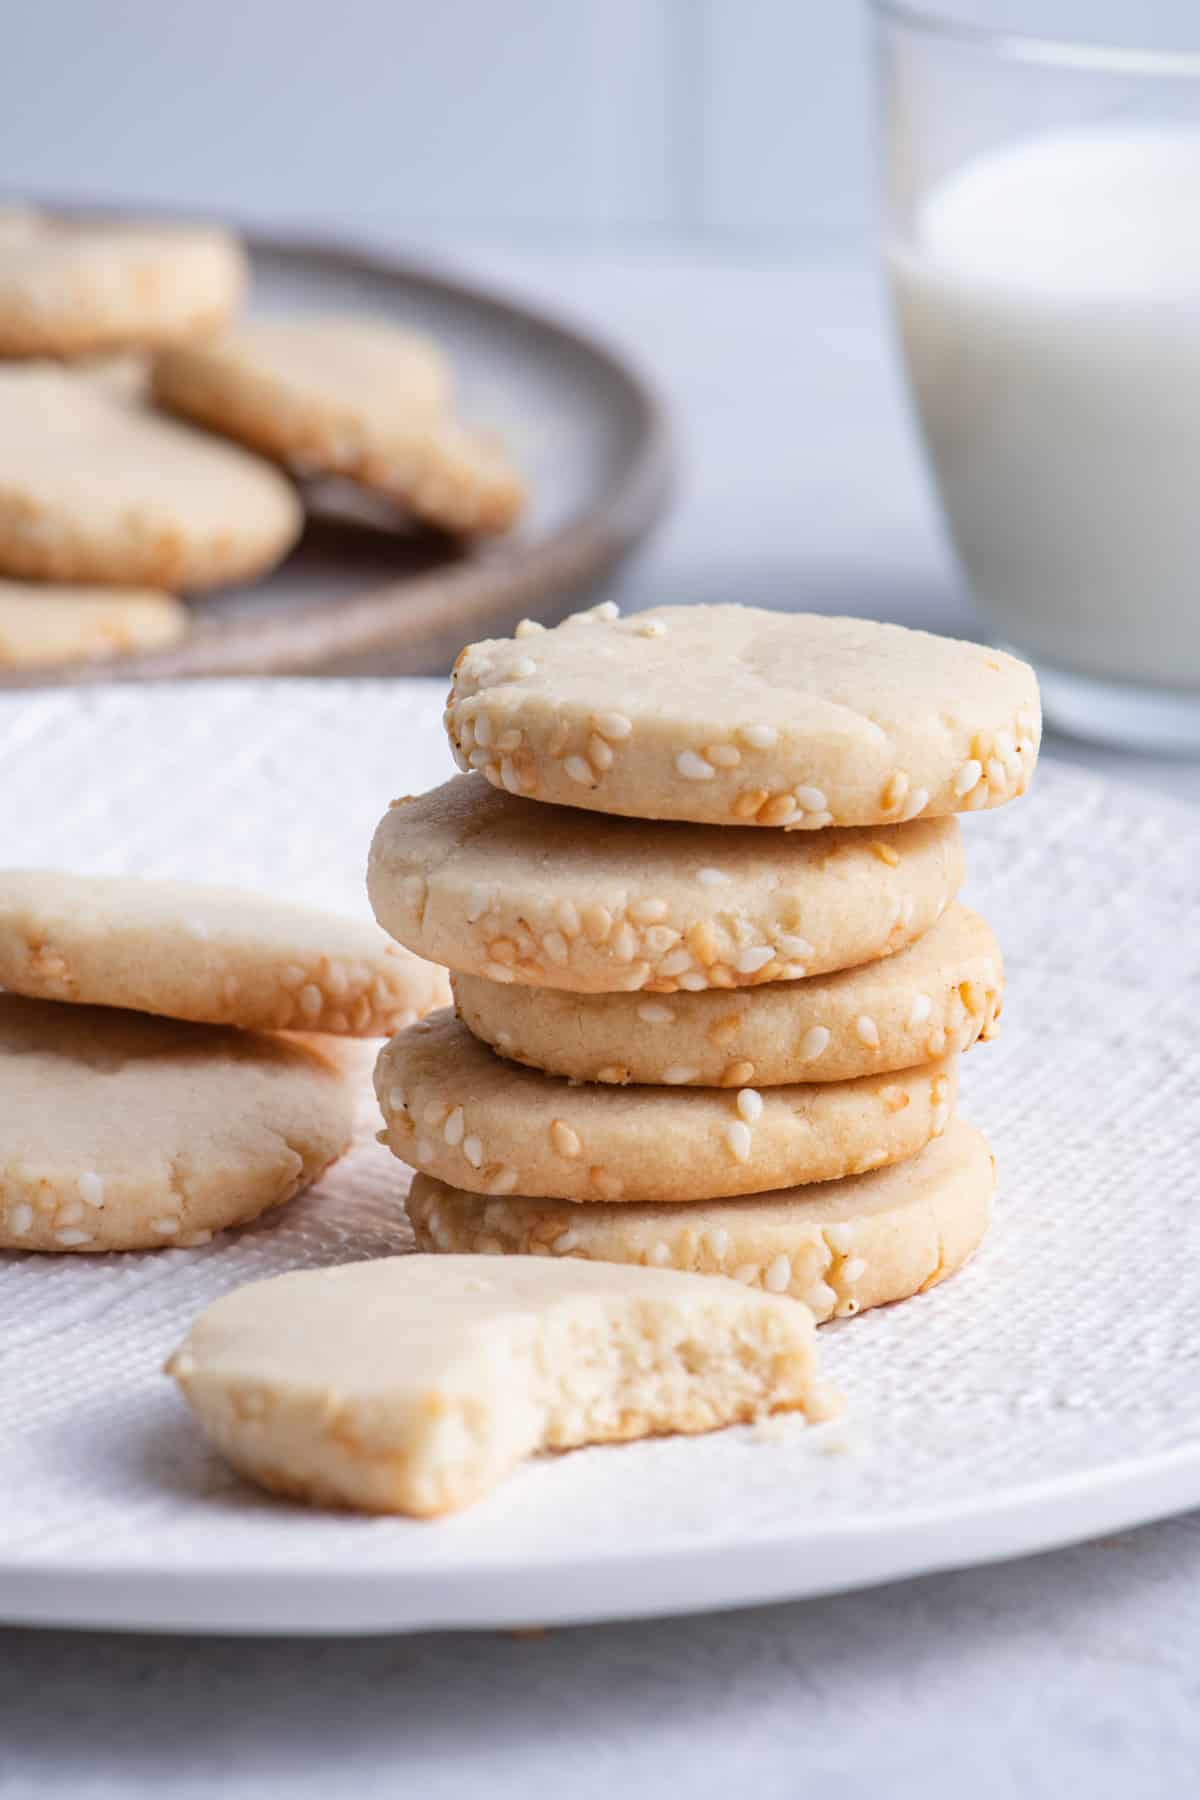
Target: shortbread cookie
point(840, 1246)
point(938, 995)
point(455, 1110)
point(40, 624)
point(496, 887)
point(414, 1384)
point(214, 954)
point(73, 290)
point(352, 397)
point(728, 715)
point(122, 1132)
point(94, 488)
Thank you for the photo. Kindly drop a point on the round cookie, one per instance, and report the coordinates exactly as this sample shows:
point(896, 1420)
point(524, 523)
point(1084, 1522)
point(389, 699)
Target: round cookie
point(840, 1246)
point(213, 954)
point(937, 995)
point(413, 1384)
point(729, 715)
point(492, 886)
point(454, 1110)
point(41, 624)
point(359, 398)
point(74, 290)
point(122, 1132)
point(96, 489)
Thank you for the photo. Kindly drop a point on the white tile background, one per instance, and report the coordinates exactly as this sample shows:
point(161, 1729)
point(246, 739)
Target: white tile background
point(731, 122)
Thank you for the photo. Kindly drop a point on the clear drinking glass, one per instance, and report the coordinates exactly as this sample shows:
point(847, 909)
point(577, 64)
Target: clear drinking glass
point(1042, 231)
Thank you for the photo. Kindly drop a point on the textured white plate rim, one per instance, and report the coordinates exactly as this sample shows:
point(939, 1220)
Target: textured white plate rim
point(736, 1563)
point(607, 1583)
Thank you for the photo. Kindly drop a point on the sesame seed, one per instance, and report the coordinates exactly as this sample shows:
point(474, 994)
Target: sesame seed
point(613, 1074)
point(291, 976)
point(871, 1160)
point(624, 942)
point(936, 1041)
point(479, 899)
point(867, 1031)
point(597, 923)
point(660, 1255)
point(607, 609)
point(310, 1000)
point(564, 1139)
point(508, 740)
point(565, 1241)
point(778, 811)
point(73, 1235)
point(495, 971)
point(941, 1118)
point(20, 1219)
point(997, 774)
point(737, 1136)
point(555, 946)
point(759, 737)
point(750, 1105)
point(502, 950)
point(91, 1188)
point(678, 1075)
point(968, 776)
point(528, 627)
point(650, 628)
point(813, 1044)
point(473, 1151)
point(491, 772)
point(599, 753)
point(610, 1186)
point(747, 1274)
point(692, 981)
point(718, 1242)
point(648, 912)
point(675, 962)
point(748, 962)
point(612, 725)
point(424, 1150)
point(778, 1277)
point(651, 1013)
point(396, 1100)
point(454, 1128)
point(811, 799)
point(796, 947)
point(503, 1181)
point(523, 667)
point(693, 767)
point(711, 877)
point(839, 1237)
point(748, 802)
point(579, 770)
point(853, 1268)
point(566, 914)
point(917, 803)
point(1004, 746)
point(810, 822)
point(483, 729)
point(886, 854)
point(724, 756)
point(164, 1227)
point(508, 776)
point(919, 1011)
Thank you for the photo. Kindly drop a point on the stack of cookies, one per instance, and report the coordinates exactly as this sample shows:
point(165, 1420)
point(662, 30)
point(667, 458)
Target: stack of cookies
point(712, 978)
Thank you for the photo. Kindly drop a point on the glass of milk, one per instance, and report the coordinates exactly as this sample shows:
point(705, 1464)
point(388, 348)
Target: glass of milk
point(1043, 245)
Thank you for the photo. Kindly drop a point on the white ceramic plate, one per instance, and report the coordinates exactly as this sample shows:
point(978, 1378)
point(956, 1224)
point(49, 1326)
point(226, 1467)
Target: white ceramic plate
point(1046, 1394)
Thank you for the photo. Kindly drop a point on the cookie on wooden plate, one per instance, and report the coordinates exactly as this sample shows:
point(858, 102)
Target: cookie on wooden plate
point(94, 488)
point(414, 1384)
point(938, 994)
point(840, 1246)
point(542, 895)
point(218, 955)
point(729, 715)
point(361, 398)
point(453, 1109)
point(78, 289)
point(123, 1132)
point(42, 624)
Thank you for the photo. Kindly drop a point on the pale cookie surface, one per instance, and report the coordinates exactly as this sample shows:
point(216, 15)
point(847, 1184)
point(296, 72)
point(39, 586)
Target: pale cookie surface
point(354, 397)
point(455, 1110)
point(840, 1246)
point(494, 886)
point(217, 955)
point(729, 715)
point(415, 1384)
point(40, 624)
point(938, 995)
point(122, 1132)
point(94, 488)
point(70, 290)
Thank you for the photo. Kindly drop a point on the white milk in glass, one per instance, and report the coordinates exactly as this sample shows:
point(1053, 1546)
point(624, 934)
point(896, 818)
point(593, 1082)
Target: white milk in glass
point(1049, 303)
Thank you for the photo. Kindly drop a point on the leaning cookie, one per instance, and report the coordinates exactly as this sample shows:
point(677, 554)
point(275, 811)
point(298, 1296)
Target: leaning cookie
point(492, 886)
point(96, 488)
point(939, 994)
point(840, 1246)
point(40, 624)
point(217, 955)
point(454, 1110)
point(414, 1384)
point(360, 398)
point(122, 1132)
point(80, 289)
point(728, 715)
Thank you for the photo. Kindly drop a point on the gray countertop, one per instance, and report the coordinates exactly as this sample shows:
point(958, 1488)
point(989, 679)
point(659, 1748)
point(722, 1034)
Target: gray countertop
point(1073, 1670)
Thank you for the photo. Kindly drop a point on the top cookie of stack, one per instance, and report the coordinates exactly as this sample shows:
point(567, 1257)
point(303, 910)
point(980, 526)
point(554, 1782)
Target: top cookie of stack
point(691, 728)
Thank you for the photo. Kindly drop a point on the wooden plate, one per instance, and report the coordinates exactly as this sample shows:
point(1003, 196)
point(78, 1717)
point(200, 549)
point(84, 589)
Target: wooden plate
point(585, 427)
